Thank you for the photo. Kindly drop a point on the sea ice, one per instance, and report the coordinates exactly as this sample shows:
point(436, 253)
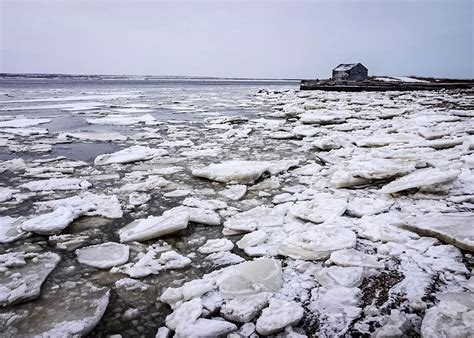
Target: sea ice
point(278, 315)
point(101, 136)
point(124, 120)
point(368, 206)
point(318, 242)
point(421, 178)
point(315, 117)
point(57, 184)
point(26, 274)
point(453, 228)
point(252, 277)
point(234, 192)
point(233, 171)
point(216, 245)
point(128, 155)
point(452, 317)
point(335, 276)
point(53, 222)
point(22, 123)
point(152, 227)
point(321, 208)
point(353, 257)
point(10, 229)
point(252, 239)
point(244, 309)
point(103, 256)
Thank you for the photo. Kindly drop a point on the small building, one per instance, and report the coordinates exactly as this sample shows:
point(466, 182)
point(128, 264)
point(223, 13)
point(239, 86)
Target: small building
point(350, 72)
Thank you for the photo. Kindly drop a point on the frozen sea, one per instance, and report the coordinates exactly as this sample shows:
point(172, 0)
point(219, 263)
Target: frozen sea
point(204, 207)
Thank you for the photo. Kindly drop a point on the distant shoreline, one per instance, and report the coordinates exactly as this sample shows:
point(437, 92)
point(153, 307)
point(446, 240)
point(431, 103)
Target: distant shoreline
point(43, 76)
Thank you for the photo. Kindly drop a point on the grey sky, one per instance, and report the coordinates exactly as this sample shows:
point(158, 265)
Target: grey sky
point(275, 39)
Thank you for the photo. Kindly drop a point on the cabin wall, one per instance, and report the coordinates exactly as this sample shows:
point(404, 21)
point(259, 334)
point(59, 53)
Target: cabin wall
point(358, 73)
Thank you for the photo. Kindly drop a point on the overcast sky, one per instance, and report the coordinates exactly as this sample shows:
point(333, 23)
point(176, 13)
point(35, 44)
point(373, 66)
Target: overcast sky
point(271, 39)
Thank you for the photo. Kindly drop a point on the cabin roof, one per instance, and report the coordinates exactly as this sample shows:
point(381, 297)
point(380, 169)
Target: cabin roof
point(346, 66)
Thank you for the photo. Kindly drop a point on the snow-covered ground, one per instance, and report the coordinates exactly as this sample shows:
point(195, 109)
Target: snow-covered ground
point(226, 210)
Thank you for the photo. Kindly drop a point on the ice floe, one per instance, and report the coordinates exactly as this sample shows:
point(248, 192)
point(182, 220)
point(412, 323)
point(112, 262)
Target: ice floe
point(152, 227)
point(129, 155)
point(103, 256)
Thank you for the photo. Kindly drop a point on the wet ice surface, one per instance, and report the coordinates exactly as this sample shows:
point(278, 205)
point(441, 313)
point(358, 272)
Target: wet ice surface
point(222, 209)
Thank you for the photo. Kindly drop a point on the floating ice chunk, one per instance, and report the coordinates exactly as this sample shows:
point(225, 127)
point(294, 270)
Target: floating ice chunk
point(322, 208)
point(316, 117)
point(364, 171)
point(380, 140)
point(186, 313)
point(163, 332)
point(22, 123)
point(128, 155)
point(252, 239)
point(178, 193)
point(103, 256)
point(353, 257)
point(67, 241)
point(326, 143)
point(317, 243)
point(27, 272)
point(335, 276)
point(153, 261)
point(367, 206)
point(280, 166)
point(70, 313)
point(283, 198)
point(244, 309)
point(123, 120)
point(216, 245)
point(452, 317)
point(281, 135)
point(152, 182)
point(101, 136)
point(453, 228)
point(379, 228)
point(257, 218)
point(253, 277)
point(10, 229)
point(152, 227)
point(136, 198)
point(233, 171)
point(305, 131)
point(278, 315)
point(198, 215)
point(196, 153)
point(395, 326)
point(53, 222)
point(421, 178)
point(337, 307)
point(24, 131)
point(172, 260)
point(308, 170)
point(96, 205)
point(234, 192)
point(203, 328)
point(224, 258)
point(204, 204)
point(14, 165)
point(57, 184)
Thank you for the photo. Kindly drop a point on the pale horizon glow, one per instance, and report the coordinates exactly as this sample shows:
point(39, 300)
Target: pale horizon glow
point(252, 39)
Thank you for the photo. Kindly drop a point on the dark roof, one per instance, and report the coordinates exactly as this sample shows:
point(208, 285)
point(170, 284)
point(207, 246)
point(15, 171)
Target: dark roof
point(347, 66)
